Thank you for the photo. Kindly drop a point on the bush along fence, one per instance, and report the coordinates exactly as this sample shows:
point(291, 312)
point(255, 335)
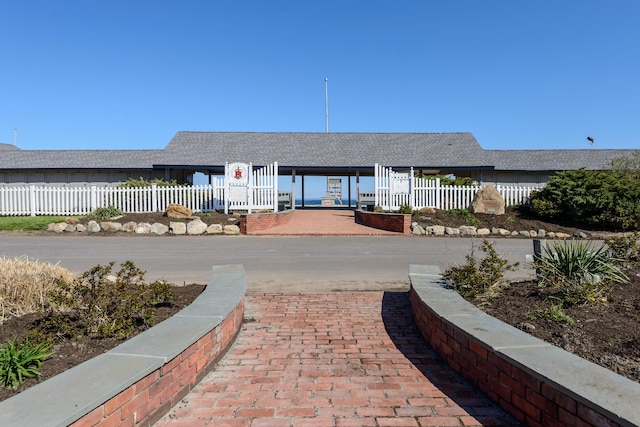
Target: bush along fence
point(394, 190)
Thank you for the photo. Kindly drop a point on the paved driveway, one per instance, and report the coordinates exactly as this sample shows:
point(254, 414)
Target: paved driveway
point(272, 263)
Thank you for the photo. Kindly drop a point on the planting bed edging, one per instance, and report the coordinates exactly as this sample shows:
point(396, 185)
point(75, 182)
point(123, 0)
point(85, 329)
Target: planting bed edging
point(139, 381)
point(400, 223)
point(536, 382)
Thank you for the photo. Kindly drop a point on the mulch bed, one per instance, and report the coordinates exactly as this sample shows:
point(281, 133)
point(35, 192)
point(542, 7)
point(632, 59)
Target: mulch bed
point(68, 354)
point(607, 334)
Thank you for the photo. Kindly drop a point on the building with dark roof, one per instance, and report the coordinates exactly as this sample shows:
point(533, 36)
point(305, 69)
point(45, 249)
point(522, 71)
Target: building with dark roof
point(298, 154)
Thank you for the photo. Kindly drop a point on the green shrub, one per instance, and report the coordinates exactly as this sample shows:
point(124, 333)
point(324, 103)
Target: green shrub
point(579, 271)
point(142, 183)
point(102, 305)
point(477, 277)
point(21, 361)
point(405, 209)
point(554, 312)
point(467, 217)
point(604, 199)
point(103, 214)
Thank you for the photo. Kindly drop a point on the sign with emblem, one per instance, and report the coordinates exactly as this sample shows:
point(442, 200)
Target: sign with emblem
point(238, 173)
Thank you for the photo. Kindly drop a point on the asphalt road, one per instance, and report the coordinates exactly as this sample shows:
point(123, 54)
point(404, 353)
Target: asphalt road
point(271, 263)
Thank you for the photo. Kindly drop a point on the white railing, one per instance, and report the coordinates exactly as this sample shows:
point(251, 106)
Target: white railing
point(394, 190)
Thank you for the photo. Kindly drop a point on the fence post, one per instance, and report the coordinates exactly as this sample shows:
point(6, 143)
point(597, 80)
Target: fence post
point(32, 200)
point(93, 198)
point(275, 186)
point(250, 188)
point(412, 185)
point(154, 197)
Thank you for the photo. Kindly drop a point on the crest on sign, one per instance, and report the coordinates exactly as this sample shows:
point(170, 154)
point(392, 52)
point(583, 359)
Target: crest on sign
point(239, 173)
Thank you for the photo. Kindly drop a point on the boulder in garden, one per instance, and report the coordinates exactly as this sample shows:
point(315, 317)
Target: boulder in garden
point(175, 210)
point(488, 200)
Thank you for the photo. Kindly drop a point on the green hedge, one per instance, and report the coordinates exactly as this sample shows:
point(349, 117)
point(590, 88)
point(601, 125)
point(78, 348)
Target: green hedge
point(602, 199)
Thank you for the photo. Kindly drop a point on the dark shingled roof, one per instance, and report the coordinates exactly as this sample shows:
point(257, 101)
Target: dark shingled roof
point(317, 150)
point(79, 159)
point(320, 152)
point(553, 160)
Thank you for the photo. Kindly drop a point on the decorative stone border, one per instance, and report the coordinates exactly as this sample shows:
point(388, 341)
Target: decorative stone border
point(139, 381)
point(537, 383)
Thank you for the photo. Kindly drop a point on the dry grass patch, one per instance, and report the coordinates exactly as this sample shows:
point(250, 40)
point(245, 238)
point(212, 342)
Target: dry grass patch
point(25, 285)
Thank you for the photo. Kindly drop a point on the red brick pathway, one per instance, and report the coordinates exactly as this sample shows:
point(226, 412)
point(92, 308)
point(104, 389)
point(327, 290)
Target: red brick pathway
point(324, 222)
point(334, 359)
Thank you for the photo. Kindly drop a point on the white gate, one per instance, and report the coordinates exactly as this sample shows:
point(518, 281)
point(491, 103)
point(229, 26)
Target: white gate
point(393, 189)
point(247, 189)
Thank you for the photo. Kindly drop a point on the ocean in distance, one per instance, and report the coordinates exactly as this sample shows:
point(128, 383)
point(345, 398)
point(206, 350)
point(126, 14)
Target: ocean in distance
point(318, 202)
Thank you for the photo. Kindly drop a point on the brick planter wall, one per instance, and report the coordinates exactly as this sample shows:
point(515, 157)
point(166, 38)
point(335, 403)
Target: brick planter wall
point(400, 223)
point(249, 224)
point(149, 399)
point(537, 383)
point(138, 382)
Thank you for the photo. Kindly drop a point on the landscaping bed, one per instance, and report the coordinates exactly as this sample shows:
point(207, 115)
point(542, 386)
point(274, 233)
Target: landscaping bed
point(607, 334)
point(69, 353)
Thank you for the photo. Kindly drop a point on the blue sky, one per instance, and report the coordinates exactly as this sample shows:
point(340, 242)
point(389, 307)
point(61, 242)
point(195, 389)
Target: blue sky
point(118, 74)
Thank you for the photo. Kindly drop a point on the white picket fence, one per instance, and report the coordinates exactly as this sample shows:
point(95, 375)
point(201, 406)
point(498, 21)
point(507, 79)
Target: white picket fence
point(395, 189)
point(35, 200)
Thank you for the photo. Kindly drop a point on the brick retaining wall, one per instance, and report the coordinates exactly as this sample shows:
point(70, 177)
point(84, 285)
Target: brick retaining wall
point(537, 383)
point(249, 224)
point(400, 223)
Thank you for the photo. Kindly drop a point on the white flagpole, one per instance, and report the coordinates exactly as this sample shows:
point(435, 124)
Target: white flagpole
point(326, 104)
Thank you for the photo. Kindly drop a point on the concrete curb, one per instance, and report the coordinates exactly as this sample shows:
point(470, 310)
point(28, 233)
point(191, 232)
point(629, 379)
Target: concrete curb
point(139, 381)
point(536, 382)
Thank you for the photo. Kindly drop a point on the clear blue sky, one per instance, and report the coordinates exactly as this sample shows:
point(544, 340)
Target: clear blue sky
point(119, 74)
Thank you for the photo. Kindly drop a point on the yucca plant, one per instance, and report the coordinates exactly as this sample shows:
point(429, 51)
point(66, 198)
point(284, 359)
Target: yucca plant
point(21, 361)
point(579, 270)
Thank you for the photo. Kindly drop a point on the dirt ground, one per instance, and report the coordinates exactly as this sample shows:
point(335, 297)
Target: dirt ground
point(608, 335)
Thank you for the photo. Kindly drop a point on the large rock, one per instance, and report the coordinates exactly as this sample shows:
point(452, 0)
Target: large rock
point(57, 227)
point(197, 226)
point(488, 201)
point(468, 230)
point(158, 228)
point(231, 229)
point(435, 230)
point(214, 229)
point(130, 227)
point(143, 228)
point(177, 211)
point(177, 227)
point(418, 230)
point(111, 226)
point(452, 231)
point(93, 227)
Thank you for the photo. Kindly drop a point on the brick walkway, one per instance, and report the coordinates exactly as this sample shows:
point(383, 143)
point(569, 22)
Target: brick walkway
point(332, 359)
point(323, 222)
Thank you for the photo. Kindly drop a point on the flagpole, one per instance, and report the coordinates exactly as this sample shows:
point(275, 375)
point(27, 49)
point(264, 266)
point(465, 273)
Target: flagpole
point(326, 104)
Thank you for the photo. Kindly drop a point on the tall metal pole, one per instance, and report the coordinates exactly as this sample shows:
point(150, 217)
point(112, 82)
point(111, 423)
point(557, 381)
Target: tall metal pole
point(15, 133)
point(326, 104)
